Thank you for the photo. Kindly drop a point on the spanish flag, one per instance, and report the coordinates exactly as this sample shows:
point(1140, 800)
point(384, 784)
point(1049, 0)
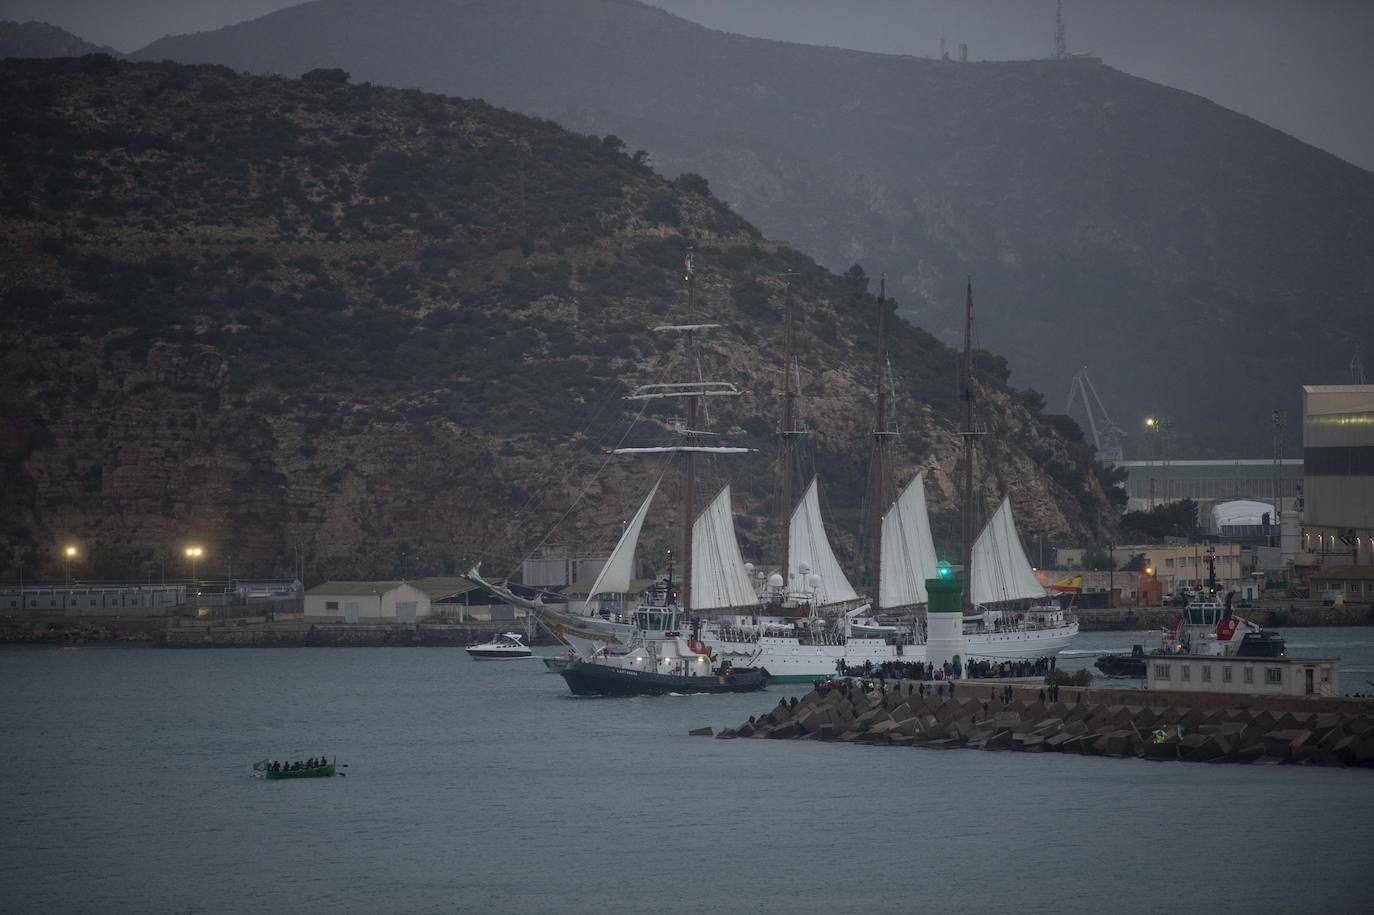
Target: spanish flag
point(1070, 585)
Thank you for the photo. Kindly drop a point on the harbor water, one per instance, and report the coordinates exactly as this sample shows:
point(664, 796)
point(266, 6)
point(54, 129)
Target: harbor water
point(483, 786)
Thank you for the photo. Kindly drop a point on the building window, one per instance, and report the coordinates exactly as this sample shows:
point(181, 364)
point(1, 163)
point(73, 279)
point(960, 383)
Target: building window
point(1187, 672)
point(1326, 675)
point(1249, 675)
point(1273, 675)
point(1168, 563)
point(1162, 671)
point(1226, 674)
point(1206, 673)
point(331, 605)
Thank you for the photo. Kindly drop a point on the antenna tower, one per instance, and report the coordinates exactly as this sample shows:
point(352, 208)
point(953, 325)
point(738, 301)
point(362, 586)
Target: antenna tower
point(1061, 45)
point(1107, 436)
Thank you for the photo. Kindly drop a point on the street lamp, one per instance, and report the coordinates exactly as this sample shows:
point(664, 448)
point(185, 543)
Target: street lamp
point(1161, 427)
point(68, 555)
point(194, 553)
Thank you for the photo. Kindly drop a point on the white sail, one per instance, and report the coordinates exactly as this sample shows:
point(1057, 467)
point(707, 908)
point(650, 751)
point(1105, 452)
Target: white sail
point(718, 576)
point(1001, 571)
point(618, 572)
point(807, 543)
point(908, 551)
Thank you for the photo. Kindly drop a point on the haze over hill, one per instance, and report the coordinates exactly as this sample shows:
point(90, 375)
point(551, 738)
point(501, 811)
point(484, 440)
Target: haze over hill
point(39, 39)
point(1203, 264)
point(393, 330)
point(1301, 67)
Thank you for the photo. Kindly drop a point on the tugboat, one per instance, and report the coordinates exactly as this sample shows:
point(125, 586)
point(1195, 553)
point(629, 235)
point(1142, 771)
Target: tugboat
point(506, 646)
point(1207, 627)
point(659, 660)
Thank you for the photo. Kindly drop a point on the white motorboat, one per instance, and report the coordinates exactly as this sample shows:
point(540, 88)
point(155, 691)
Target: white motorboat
point(507, 646)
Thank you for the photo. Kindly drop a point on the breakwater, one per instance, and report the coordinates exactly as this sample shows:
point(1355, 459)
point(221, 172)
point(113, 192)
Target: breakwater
point(1001, 716)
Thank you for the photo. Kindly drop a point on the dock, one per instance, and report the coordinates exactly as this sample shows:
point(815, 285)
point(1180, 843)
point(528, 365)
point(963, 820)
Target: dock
point(1088, 721)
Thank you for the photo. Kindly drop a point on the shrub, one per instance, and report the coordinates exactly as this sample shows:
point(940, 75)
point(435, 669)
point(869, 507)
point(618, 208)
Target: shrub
point(327, 75)
point(1064, 678)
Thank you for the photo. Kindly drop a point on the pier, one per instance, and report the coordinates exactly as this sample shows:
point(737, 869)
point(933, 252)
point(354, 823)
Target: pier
point(1013, 716)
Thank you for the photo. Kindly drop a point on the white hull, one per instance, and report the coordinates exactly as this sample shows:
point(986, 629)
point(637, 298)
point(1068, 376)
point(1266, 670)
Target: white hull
point(1025, 644)
point(786, 658)
point(499, 654)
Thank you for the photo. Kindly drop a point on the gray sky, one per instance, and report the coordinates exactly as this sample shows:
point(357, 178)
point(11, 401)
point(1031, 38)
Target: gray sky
point(1303, 66)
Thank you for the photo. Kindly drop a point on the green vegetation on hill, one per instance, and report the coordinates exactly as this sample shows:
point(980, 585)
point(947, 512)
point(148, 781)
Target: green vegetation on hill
point(1204, 265)
point(361, 322)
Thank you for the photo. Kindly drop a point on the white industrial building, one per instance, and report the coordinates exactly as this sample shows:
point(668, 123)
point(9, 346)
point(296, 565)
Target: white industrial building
point(366, 602)
point(1338, 474)
point(1247, 676)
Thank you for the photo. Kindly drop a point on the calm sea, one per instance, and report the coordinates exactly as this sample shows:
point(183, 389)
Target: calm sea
point(483, 786)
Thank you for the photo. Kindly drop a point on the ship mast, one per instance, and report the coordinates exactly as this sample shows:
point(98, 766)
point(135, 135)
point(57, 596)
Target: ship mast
point(689, 484)
point(694, 392)
point(788, 432)
point(878, 471)
point(966, 392)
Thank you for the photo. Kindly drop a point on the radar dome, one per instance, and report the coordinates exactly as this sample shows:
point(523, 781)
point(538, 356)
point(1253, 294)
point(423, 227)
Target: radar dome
point(804, 568)
point(775, 580)
point(813, 582)
point(749, 567)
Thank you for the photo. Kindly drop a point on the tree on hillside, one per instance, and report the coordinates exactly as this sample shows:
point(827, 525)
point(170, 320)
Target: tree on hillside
point(1135, 564)
point(1096, 559)
point(1174, 519)
point(333, 75)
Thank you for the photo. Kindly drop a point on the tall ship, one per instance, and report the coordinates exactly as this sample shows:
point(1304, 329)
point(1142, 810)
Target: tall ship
point(1006, 612)
point(806, 619)
point(650, 653)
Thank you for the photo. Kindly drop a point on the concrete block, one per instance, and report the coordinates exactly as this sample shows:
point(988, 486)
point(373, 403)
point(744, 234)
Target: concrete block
point(786, 731)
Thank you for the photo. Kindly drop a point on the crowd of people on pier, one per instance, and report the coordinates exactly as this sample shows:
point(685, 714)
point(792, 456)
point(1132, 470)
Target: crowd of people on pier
point(920, 670)
point(977, 669)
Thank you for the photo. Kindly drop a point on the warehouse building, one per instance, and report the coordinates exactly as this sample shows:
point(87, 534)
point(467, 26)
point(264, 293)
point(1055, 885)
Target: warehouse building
point(366, 602)
point(1338, 473)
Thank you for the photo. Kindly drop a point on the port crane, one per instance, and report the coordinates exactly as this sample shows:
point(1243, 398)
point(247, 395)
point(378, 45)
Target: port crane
point(1106, 435)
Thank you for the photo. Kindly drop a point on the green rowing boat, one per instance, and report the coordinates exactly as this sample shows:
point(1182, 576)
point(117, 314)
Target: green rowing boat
point(325, 771)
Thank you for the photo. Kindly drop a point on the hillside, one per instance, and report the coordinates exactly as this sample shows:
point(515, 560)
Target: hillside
point(394, 330)
point(1204, 265)
point(38, 39)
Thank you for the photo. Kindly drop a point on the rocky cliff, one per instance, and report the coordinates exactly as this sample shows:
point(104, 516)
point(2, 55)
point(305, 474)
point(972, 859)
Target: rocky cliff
point(392, 332)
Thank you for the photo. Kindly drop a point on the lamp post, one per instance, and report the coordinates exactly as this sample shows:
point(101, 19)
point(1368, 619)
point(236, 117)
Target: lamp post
point(194, 553)
point(68, 555)
point(1161, 427)
point(1111, 575)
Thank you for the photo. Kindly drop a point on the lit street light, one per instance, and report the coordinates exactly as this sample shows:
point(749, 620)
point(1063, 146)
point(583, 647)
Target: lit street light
point(194, 553)
point(68, 555)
